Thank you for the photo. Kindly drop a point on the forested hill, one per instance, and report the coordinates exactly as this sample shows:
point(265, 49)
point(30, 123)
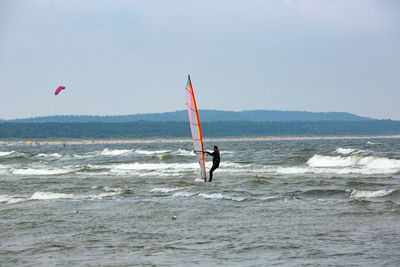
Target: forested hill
point(207, 116)
point(151, 129)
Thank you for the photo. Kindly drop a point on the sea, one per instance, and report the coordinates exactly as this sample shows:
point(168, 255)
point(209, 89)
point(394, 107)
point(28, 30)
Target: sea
point(277, 202)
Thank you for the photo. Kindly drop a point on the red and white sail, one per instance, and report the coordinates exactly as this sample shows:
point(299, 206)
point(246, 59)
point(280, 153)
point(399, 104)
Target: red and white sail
point(195, 127)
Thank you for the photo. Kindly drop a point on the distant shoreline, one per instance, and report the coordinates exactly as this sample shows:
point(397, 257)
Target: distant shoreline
point(182, 140)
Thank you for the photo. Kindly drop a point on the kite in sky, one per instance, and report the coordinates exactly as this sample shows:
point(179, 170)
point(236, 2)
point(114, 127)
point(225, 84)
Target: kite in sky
point(59, 90)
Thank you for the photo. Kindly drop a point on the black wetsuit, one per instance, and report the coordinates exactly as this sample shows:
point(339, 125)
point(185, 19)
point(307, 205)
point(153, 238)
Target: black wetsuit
point(216, 160)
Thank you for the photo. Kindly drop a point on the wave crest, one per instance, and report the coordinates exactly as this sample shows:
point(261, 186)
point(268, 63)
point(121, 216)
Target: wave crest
point(356, 194)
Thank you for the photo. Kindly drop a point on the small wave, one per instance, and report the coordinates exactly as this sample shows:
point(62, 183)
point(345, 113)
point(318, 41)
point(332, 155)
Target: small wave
point(270, 198)
point(51, 195)
point(220, 196)
point(184, 153)
point(151, 152)
point(328, 161)
point(11, 199)
point(6, 153)
point(165, 189)
point(372, 143)
point(32, 171)
point(354, 160)
point(41, 195)
point(333, 170)
point(345, 151)
point(155, 166)
point(53, 155)
point(183, 194)
point(355, 194)
point(115, 152)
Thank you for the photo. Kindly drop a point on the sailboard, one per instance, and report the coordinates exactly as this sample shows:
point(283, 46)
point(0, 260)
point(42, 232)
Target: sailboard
point(196, 130)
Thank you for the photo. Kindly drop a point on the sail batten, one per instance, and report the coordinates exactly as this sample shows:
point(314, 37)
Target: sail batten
point(195, 127)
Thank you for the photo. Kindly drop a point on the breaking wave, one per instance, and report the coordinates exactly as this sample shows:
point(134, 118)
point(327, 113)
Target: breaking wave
point(42, 195)
point(185, 153)
point(345, 151)
point(355, 160)
point(151, 152)
point(115, 152)
point(42, 171)
point(356, 194)
point(6, 153)
point(52, 155)
point(354, 164)
point(165, 190)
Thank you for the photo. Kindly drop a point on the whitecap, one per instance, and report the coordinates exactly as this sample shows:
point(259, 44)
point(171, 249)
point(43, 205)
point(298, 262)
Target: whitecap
point(372, 143)
point(184, 153)
point(12, 199)
point(220, 196)
point(32, 171)
point(6, 153)
point(151, 152)
point(51, 195)
point(183, 194)
point(212, 196)
point(380, 163)
point(115, 152)
point(54, 155)
point(165, 189)
point(355, 193)
point(345, 151)
point(328, 161)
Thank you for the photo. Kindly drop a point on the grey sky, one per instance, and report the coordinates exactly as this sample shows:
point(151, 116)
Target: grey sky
point(125, 57)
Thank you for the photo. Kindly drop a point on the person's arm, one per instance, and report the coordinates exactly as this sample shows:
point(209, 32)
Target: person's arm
point(211, 154)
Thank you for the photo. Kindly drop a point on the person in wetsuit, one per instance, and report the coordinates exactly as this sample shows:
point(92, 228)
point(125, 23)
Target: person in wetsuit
point(216, 160)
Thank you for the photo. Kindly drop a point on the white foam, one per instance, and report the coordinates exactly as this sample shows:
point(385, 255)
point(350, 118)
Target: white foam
point(293, 170)
point(54, 196)
point(104, 195)
point(269, 198)
point(156, 166)
point(115, 152)
point(380, 163)
point(12, 199)
point(183, 194)
point(355, 164)
point(332, 170)
point(185, 153)
point(239, 199)
point(371, 143)
point(54, 155)
point(113, 189)
point(6, 153)
point(32, 171)
point(355, 194)
point(212, 196)
point(328, 161)
point(220, 196)
point(345, 151)
point(151, 152)
point(51, 195)
point(40, 195)
point(165, 189)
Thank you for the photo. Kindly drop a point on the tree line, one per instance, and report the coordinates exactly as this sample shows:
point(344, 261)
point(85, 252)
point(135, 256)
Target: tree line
point(174, 129)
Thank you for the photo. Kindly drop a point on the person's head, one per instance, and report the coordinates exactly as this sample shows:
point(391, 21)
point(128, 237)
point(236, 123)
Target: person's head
point(215, 148)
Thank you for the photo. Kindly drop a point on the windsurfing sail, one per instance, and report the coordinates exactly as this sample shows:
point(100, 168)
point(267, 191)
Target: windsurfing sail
point(58, 90)
point(195, 127)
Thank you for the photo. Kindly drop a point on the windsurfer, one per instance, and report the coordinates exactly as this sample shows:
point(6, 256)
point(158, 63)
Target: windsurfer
point(216, 160)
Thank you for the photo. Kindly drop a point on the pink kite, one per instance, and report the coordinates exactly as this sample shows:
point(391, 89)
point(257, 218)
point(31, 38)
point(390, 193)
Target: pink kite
point(59, 90)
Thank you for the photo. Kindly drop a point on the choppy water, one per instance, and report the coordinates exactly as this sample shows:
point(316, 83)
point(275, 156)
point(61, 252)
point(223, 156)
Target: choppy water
point(279, 202)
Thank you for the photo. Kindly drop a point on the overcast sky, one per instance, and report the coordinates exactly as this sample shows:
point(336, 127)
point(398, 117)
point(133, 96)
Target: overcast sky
point(125, 57)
